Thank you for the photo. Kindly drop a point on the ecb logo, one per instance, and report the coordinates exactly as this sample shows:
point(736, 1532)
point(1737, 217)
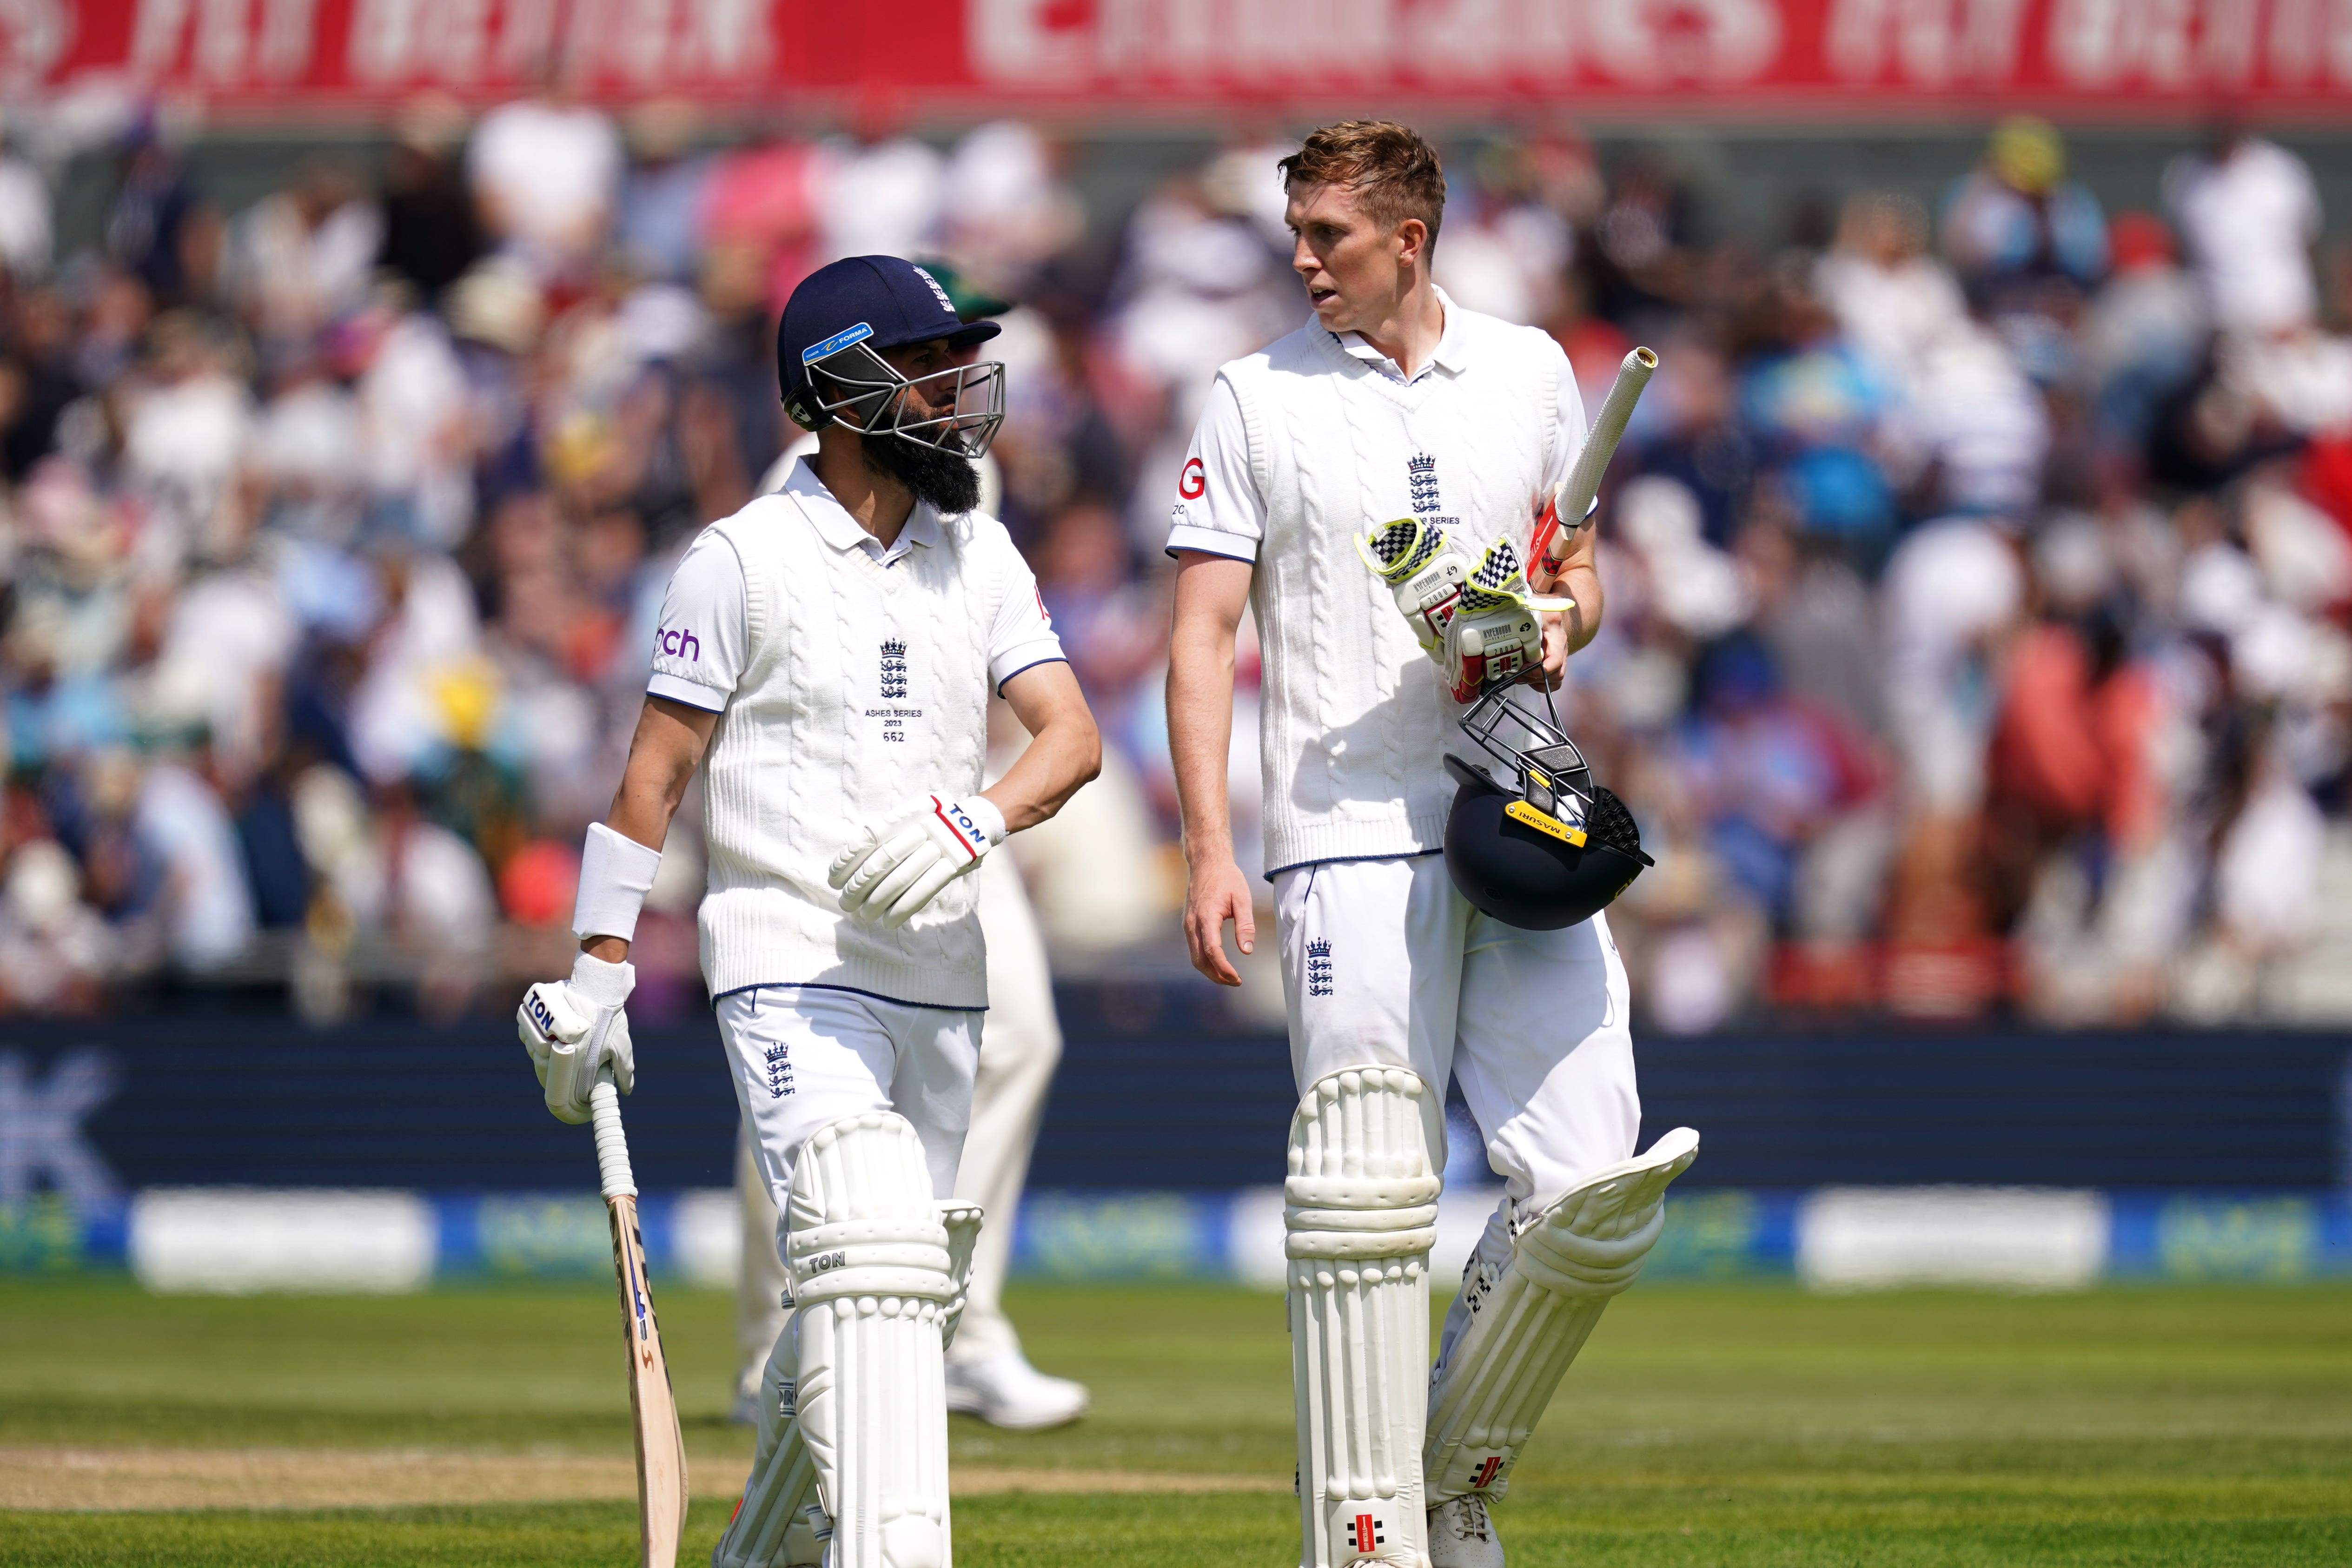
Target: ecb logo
point(1319, 968)
point(1421, 478)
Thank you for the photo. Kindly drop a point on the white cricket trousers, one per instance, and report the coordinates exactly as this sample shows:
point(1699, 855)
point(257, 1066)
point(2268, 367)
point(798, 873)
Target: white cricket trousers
point(1384, 963)
point(1008, 1101)
point(802, 1056)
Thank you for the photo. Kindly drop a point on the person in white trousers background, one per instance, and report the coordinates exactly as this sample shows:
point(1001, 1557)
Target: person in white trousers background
point(1395, 413)
point(824, 660)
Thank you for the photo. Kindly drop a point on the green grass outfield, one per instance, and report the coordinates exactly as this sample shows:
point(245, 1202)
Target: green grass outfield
point(1705, 1424)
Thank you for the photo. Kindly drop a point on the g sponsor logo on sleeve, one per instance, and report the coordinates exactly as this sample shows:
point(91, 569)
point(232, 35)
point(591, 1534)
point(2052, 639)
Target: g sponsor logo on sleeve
point(1194, 484)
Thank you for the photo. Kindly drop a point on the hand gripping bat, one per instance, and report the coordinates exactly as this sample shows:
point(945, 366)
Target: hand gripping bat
point(661, 1451)
point(1574, 496)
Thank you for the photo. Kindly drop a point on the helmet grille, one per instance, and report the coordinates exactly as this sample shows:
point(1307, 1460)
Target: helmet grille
point(1612, 825)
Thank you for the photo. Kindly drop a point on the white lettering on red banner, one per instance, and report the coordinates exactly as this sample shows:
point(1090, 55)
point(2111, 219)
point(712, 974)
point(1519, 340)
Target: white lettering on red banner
point(2168, 58)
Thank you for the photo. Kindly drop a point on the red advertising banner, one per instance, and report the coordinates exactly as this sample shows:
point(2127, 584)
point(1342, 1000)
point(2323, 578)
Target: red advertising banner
point(2150, 59)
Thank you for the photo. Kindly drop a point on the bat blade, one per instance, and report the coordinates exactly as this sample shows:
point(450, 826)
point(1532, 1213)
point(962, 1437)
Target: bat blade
point(661, 1450)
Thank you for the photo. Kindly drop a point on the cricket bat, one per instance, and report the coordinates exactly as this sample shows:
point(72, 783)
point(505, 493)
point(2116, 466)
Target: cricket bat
point(661, 1451)
point(1573, 495)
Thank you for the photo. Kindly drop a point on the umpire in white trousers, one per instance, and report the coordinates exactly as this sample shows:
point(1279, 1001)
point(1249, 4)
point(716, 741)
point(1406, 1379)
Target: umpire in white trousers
point(1391, 415)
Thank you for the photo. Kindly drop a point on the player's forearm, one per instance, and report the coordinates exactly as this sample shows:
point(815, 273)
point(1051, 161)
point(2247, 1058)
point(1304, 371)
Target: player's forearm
point(663, 755)
point(653, 787)
point(1581, 582)
point(1062, 758)
point(1200, 737)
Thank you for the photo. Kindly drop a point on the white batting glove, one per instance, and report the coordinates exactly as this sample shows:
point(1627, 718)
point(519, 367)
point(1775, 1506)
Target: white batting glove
point(1424, 572)
point(575, 1030)
point(1494, 634)
point(887, 874)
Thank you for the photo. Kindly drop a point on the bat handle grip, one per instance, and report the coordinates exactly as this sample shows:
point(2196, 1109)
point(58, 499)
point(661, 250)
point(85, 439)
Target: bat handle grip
point(612, 1144)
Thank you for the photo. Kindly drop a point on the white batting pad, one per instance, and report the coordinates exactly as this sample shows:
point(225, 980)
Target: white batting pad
point(872, 1282)
point(961, 1220)
point(1360, 1213)
point(772, 1527)
point(1530, 1316)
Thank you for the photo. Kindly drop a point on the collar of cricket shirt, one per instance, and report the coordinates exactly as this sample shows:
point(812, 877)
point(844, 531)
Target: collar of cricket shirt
point(841, 531)
point(1448, 355)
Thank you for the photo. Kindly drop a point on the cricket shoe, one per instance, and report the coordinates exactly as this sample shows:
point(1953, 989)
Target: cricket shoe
point(1460, 1535)
point(1006, 1391)
point(745, 1411)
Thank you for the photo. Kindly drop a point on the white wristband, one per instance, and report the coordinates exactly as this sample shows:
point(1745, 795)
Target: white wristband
point(986, 816)
point(615, 873)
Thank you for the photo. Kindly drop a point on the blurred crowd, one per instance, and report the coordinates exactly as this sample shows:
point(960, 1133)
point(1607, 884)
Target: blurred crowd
point(1977, 576)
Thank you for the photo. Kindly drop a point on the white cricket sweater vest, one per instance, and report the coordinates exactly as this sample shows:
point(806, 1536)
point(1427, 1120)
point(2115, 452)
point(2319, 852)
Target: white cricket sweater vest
point(863, 687)
point(1354, 721)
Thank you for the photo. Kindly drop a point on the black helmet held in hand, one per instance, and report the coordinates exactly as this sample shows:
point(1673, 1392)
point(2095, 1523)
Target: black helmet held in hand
point(1535, 842)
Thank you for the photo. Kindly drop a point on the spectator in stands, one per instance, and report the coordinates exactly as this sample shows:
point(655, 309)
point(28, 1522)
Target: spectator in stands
point(331, 568)
point(659, 226)
point(2248, 215)
point(432, 233)
point(27, 235)
point(159, 228)
point(546, 171)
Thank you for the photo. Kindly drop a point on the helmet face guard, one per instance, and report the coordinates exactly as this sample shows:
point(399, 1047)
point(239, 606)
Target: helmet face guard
point(1535, 842)
point(1540, 764)
point(858, 387)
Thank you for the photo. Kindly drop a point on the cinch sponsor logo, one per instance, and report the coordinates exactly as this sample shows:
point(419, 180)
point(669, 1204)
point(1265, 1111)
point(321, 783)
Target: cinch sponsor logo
point(679, 643)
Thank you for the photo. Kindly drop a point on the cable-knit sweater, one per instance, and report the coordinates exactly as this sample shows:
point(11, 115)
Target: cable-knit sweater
point(864, 686)
point(1354, 722)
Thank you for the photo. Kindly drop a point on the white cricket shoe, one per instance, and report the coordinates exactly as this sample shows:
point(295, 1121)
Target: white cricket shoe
point(1460, 1535)
point(745, 1411)
point(1006, 1391)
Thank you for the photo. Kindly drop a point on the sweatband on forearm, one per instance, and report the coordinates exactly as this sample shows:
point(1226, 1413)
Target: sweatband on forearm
point(615, 873)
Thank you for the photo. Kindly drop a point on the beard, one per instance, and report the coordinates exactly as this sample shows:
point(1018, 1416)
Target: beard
point(946, 481)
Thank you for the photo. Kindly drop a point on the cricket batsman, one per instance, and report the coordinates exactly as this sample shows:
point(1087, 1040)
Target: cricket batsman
point(1390, 455)
point(989, 1374)
point(825, 657)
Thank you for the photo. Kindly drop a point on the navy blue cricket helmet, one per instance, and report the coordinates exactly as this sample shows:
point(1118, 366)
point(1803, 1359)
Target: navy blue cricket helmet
point(1534, 843)
point(829, 368)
